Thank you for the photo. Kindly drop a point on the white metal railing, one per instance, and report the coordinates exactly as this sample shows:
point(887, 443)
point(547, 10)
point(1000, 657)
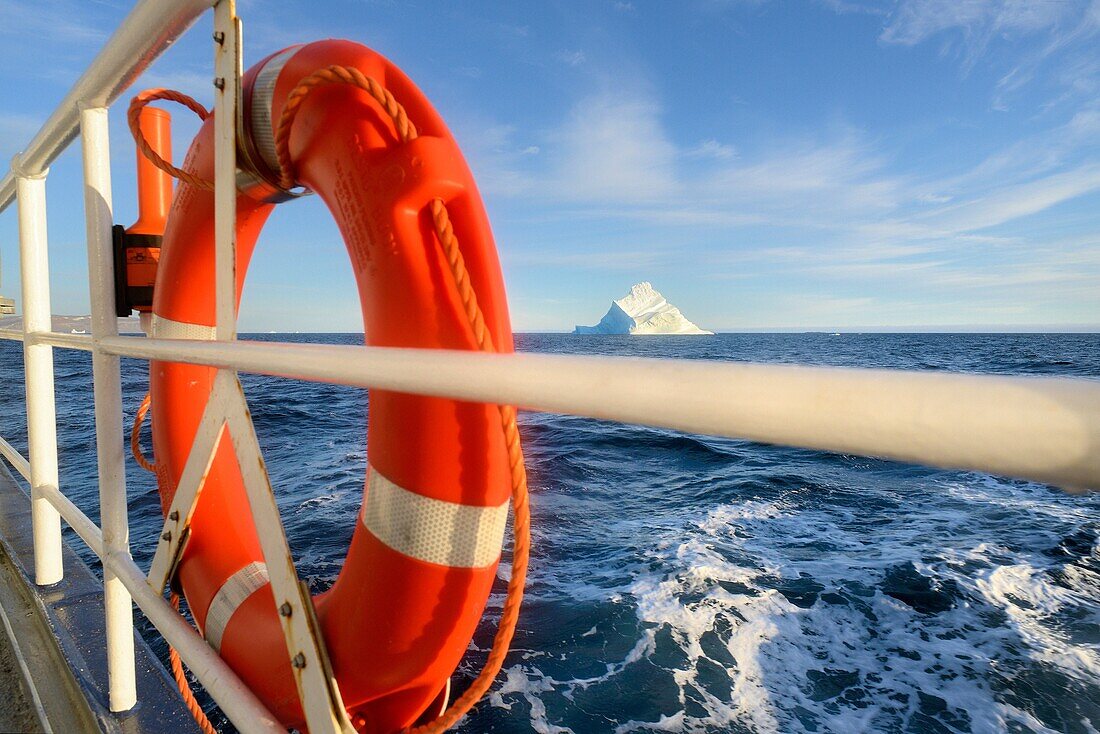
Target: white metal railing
point(1041, 428)
point(145, 33)
point(150, 28)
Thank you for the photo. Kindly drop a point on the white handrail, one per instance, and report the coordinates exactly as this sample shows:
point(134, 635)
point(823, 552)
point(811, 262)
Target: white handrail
point(150, 28)
point(16, 459)
point(1041, 428)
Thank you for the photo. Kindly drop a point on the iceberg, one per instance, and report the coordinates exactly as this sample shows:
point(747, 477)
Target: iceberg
point(642, 311)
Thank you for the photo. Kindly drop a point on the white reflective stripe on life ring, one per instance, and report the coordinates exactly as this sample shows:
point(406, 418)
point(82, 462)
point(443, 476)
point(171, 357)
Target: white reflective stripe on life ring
point(431, 530)
point(168, 329)
point(236, 589)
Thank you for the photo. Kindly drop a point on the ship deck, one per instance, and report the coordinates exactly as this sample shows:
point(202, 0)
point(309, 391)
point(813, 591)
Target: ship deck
point(53, 664)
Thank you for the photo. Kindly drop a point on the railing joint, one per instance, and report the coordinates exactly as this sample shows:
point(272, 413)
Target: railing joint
point(19, 170)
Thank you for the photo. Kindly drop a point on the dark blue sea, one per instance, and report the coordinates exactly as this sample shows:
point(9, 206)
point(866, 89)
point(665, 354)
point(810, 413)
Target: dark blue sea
point(688, 583)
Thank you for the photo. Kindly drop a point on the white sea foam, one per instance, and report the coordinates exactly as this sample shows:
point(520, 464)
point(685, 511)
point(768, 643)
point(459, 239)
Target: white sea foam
point(529, 686)
point(715, 601)
point(1030, 601)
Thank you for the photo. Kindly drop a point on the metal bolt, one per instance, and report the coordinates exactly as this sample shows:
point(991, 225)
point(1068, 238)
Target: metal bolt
point(174, 515)
point(299, 661)
point(286, 610)
point(219, 83)
point(167, 536)
point(219, 37)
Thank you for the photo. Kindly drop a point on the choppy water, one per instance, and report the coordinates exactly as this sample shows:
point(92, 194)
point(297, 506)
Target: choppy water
point(685, 583)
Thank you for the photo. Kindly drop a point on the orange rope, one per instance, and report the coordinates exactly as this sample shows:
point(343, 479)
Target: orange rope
point(333, 75)
point(185, 687)
point(135, 436)
point(521, 525)
point(133, 119)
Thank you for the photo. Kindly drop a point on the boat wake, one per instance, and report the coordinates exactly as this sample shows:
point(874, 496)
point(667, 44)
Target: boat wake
point(955, 612)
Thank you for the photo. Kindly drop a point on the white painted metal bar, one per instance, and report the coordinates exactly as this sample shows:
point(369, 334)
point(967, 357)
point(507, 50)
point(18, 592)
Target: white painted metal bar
point(227, 70)
point(236, 700)
point(1041, 428)
point(38, 365)
point(184, 500)
point(14, 335)
point(80, 342)
point(107, 388)
point(317, 688)
point(88, 531)
point(1041, 410)
point(318, 693)
point(16, 459)
point(150, 28)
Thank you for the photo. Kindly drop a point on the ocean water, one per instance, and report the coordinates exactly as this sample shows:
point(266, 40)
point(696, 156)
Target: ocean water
point(689, 583)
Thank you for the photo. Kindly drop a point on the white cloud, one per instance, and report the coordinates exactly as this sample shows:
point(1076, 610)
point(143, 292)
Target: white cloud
point(875, 270)
point(613, 157)
point(572, 58)
point(1028, 158)
point(1011, 277)
point(845, 7)
point(1012, 202)
point(915, 21)
point(495, 157)
point(821, 180)
point(53, 20)
point(613, 148)
point(1033, 41)
point(593, 258)
point(712, 149)
point(831, 208)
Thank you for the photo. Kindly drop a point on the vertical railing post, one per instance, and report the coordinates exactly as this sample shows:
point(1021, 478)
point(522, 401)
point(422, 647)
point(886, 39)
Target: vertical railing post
point(38, 363)
point(227, 71)
point(107, 385)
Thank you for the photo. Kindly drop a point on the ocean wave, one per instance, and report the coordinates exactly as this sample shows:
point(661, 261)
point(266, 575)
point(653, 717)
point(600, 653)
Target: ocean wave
point(698, 584)
point(782, 615)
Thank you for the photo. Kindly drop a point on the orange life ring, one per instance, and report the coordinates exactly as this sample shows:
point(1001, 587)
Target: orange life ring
point(425, 549)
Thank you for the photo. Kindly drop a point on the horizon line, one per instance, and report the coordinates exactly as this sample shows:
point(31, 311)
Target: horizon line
point(1017, 328)
point(948, 329)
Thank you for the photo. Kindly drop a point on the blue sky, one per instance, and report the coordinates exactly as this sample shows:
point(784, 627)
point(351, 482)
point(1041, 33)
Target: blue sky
point(767, 164)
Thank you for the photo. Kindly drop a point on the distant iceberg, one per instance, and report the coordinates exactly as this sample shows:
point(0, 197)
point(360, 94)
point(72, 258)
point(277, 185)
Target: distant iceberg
point(642, 311)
